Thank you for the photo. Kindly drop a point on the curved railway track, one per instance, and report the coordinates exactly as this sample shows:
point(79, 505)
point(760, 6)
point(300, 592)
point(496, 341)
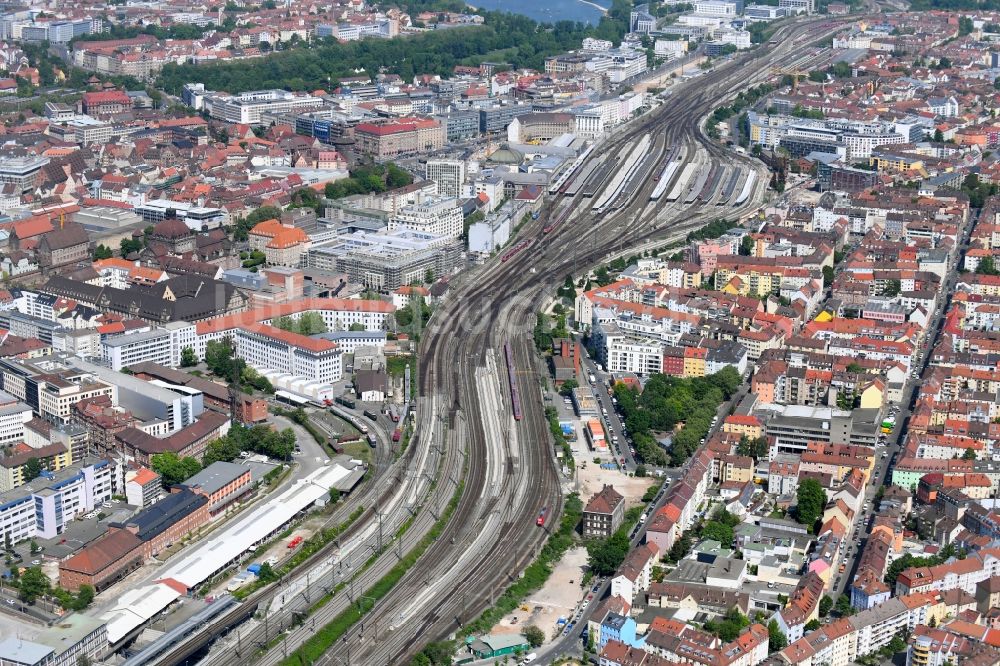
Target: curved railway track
point(485, 308)
point(497, 303)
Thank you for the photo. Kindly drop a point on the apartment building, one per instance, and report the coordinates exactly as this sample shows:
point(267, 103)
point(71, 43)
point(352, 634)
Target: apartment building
point(604, 513)
point(958, 574)
point(143, 488)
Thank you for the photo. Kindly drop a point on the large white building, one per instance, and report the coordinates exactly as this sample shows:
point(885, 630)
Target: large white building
point(716, 8)
point(42, 507)
point(619, 64)
point(441, 217)
point(248, 107)
point(162, 345)
point(268, 348)
point(122, 351)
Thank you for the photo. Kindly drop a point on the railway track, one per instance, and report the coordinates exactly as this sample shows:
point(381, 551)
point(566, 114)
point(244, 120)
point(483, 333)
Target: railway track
point(486, 308)
point(497, 303)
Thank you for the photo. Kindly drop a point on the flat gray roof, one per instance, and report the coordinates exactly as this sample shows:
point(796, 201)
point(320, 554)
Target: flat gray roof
point(215, 476)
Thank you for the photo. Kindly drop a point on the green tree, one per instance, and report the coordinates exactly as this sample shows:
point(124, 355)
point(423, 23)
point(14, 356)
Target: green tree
point(533, 635)
point(969, 454)
point(892, 288)
point(305, 197)
point(33, 584)
point(129, 245)
point(33, 547)
point(825, 604)
point(776, 639)
point(83, 660)
point(356, 326)
point(311, 323)
point(747, 245)
point(987, 266)
point(84, 596)
point(855, 368)
point(188, 358)
point(811, 500)
point(266, 573)
point(843, 606)
point(896, 645)
point(813, 625)
point(718, 532)
point(174, 469)
point(32, 469)
point(828, 276)
point(568, 387)
point(103, 252)
point(938, 136)
point(606, 555)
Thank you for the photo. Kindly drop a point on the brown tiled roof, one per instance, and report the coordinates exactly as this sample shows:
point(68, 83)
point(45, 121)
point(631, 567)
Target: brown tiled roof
point(605, 501)
point(102, 553)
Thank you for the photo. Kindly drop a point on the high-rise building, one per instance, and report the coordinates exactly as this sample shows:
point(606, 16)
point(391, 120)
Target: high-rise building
point(449, 176)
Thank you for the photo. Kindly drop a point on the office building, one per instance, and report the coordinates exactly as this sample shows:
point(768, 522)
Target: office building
point(65, 643)
point(438, 216)
point(198, 218)
point(401, 136)
point(42, 507)
point(449, 176)
point(250, 107)
point(124, 351)
point(21, 172)
point(265, 347)
point(222, 483)
point(387, 260)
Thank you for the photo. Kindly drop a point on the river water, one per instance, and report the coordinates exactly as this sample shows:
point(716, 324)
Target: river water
point(547, 11)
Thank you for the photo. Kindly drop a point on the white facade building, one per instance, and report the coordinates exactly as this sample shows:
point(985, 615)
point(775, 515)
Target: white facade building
point(41, 508)
point(449, 176)
point(122, 351)
point(13, 415)
point(268, 348)
point(442, 217)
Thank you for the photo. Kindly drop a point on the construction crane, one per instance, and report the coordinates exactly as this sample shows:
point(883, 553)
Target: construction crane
point(779, 72)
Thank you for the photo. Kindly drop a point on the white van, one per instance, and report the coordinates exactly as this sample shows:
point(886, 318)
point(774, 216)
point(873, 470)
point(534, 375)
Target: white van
point(529, 658)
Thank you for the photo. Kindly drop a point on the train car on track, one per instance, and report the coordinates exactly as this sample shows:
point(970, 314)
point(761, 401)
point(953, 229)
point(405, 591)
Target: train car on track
point(556, 221)
point(540, 521)
point(515, 397)
point(371, 415)
point(514, 250)
point(371, 440)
